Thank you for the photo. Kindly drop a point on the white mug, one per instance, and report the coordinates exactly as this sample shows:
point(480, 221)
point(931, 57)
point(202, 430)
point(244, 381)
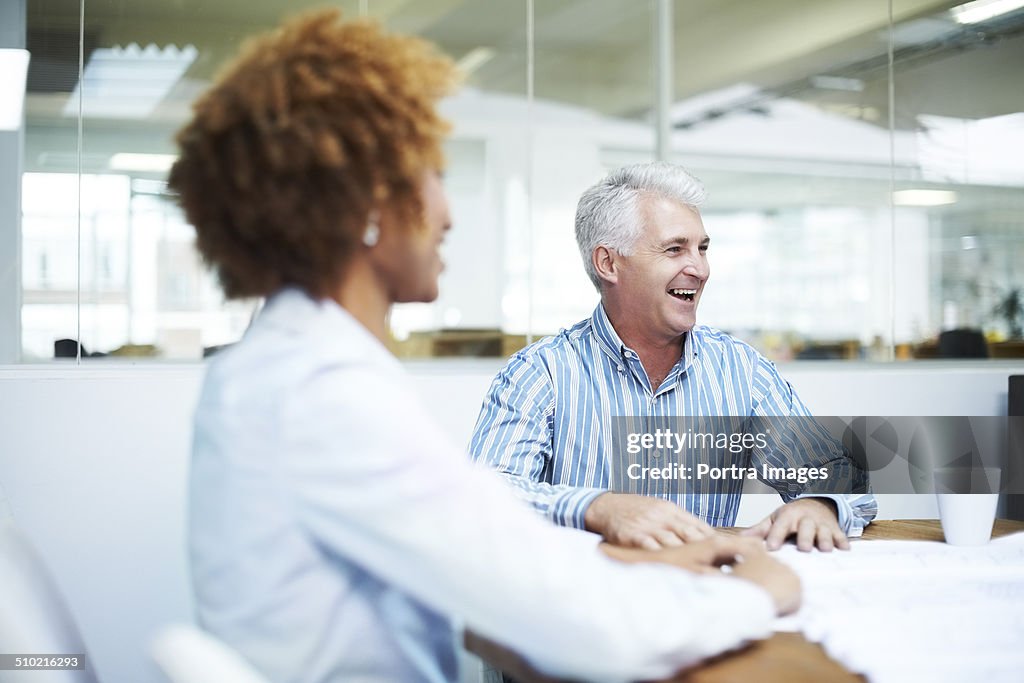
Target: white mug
point(967, 517)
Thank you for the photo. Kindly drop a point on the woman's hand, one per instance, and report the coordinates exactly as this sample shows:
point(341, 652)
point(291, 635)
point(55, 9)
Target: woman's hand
point(746, 559)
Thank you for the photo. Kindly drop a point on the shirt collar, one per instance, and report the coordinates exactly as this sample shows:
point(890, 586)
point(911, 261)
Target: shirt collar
point(609, 341)
point(329, 326)
point(691, 347)
point(606, 336)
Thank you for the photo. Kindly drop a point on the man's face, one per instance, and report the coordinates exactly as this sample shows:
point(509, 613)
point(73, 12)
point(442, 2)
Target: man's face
point(661, 282)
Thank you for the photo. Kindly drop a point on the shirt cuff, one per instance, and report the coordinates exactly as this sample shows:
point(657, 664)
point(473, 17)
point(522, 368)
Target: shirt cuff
point(570, 507)
point(844, 512)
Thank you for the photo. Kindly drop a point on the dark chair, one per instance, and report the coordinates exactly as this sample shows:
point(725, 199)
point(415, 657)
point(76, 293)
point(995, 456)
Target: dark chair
point(68, 348)
point(1015, 468)
point(963, 343)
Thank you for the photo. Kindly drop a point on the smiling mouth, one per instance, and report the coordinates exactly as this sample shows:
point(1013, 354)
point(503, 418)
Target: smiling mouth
point(684, 294)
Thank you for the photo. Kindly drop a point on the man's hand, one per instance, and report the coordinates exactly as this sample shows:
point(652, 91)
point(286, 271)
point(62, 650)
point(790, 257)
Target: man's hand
point(643, 522)
point(813, 520)
point(746, 558)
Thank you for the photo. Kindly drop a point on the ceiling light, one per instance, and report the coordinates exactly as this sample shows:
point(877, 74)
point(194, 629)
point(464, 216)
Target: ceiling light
point(837, 83)
point(13, 68)
point(129, 82)
point(983, 10)
point(474, 59)
point(150, 163)
point(923, 197)
point(921, 31)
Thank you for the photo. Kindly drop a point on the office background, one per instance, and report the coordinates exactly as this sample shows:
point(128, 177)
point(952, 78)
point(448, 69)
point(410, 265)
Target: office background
point(859, 207)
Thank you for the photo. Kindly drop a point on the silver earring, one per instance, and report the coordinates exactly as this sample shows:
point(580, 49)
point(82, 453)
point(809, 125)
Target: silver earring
point(372, 234)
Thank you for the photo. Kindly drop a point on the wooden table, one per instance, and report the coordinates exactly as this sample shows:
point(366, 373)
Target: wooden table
point(784, 657)
point(789, 657)
point(926, 529)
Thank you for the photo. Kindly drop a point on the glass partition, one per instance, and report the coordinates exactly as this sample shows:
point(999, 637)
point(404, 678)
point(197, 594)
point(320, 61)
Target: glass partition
point(795, 154)
point(594, 78)
point(960, 205)
point(484, 179)
point(864, 202)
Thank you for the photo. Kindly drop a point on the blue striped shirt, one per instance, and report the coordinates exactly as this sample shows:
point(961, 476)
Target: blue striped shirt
point(547, 421)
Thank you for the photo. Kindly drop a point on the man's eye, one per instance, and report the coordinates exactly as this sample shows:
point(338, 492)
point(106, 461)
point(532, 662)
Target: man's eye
point(703, 248)
point(673, 250)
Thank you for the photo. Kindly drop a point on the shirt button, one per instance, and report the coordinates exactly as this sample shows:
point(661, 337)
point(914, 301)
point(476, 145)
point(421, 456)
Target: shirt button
point(620, 369)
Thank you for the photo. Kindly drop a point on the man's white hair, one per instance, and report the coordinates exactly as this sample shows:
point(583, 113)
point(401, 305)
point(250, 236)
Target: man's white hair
point(609, 212)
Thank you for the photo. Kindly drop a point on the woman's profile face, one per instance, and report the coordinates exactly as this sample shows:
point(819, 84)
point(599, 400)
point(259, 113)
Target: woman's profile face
point(411, 259)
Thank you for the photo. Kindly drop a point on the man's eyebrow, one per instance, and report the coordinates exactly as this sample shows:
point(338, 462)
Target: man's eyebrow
point(683, 241)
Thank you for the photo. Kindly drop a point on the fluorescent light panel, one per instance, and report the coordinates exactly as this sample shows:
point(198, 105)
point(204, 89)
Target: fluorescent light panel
point(837, 83)
point(474, 59)
point(150, 163)
point(983, 10)
point(13, 71)
point(129, 82)
point(923, 197)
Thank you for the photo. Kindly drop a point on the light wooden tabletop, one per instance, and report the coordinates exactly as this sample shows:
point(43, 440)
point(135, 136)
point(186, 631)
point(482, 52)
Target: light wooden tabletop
point(927, 529)
point(783, 658)
point(789, 657)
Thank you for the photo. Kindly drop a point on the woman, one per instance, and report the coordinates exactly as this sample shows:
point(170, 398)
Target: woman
point(335, 533)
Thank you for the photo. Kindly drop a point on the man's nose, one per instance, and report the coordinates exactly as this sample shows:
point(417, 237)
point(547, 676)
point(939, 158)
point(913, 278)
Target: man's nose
point(697, 268)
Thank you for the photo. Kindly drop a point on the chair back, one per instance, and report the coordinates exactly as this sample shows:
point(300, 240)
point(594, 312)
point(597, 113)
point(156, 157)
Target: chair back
point(963, 343)
point(187, 655)
point(34, 620)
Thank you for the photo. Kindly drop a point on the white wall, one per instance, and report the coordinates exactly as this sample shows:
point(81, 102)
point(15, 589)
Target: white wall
point(93, 463)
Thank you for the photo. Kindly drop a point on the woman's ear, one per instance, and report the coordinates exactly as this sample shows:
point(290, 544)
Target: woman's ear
point(603, 260)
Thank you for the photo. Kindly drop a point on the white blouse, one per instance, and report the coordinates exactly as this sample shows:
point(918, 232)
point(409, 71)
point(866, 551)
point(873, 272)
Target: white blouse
point(336, 533)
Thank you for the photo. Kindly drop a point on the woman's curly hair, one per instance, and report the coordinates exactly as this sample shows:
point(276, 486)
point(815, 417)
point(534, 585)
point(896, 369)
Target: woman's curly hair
point(296, 142)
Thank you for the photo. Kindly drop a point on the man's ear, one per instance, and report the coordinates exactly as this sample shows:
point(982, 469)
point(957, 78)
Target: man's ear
point(605, 265)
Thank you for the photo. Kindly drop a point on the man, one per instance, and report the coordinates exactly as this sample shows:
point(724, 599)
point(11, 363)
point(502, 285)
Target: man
point(546, 423)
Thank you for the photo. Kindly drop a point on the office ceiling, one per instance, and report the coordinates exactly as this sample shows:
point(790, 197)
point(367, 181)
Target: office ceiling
point(595, 54)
